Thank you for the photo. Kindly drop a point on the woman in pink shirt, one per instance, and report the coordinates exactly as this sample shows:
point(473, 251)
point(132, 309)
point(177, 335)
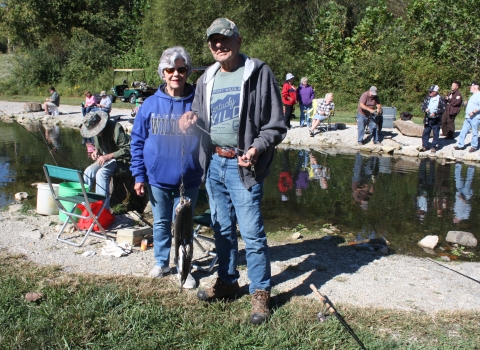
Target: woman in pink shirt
point(90, 102)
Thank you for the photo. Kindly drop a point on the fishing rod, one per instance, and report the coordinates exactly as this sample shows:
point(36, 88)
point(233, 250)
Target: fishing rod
point(334, 312)
point(466, 276)
point(43, 140)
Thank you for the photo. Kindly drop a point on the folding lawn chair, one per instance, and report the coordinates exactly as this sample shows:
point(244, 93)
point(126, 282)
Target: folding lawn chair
point(203, 220)
point(84, 198)
point(324, 124)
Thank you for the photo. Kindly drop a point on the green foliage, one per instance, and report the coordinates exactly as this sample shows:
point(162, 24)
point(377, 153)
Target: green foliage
point(88, 56)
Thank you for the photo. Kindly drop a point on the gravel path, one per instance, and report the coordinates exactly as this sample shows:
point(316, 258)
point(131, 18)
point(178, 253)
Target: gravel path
point(346, 275)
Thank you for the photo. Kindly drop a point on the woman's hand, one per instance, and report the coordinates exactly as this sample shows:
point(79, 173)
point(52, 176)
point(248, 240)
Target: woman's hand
point(140, 188)
point(187, 120)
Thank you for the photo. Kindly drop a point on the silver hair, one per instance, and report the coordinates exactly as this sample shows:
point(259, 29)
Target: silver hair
point(328, 94)
point(167, 60)
point(304, 79)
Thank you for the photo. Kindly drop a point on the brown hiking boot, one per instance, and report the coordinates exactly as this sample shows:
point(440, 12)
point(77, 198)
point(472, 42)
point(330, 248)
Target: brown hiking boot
point(260, 306)
point(218, 290)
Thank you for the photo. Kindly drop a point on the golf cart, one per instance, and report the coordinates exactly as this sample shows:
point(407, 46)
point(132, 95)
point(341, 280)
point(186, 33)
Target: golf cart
point(132, 85)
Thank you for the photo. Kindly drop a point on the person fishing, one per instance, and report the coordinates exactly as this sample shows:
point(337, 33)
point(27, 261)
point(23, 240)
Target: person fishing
point(238, 109)
point(111, 153)
point(163, 158)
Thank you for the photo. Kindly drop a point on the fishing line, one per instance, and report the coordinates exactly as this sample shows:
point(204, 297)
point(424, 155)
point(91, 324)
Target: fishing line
point(44, 141)
point(470, 278)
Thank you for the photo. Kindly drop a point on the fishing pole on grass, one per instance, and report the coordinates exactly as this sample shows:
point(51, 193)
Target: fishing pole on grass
point(44, 141)
point(334, 312)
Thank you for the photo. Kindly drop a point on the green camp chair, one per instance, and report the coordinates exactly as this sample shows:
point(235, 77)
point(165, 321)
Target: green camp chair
point(84, 198)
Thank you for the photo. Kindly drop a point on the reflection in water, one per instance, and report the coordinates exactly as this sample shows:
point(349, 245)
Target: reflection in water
point(364, 179)
point(301, 175)
point(52, 135)
point(425, 187)
point(285, 179)
point(463, 194)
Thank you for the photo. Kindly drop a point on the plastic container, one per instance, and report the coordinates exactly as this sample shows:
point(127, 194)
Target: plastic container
point(45, 202)
point(70, 189)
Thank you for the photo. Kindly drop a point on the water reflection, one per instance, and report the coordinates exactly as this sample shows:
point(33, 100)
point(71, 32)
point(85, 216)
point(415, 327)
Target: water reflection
point(464, 193)
point(364, 179)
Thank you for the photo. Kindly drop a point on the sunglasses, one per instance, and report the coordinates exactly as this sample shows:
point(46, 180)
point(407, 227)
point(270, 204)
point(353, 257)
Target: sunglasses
point(181, 70)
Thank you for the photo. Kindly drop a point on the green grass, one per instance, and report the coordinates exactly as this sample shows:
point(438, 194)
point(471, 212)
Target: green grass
point(85, 311)
point(6, 66)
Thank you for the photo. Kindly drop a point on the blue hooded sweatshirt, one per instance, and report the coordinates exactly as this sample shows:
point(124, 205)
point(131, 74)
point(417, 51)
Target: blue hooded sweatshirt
point(161, 153)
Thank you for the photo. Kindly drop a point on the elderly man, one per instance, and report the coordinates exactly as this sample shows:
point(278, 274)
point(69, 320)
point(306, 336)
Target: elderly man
point(105, 104)
point(367, 104)
point(52, 101)
point(472, 119)
point(238, 108)
point(111, 154)
point(433, 106)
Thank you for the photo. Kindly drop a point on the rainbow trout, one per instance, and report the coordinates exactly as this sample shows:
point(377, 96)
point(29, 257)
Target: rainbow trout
point(183, 236)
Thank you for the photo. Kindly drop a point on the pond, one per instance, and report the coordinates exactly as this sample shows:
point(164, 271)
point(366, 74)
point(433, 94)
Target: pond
point(365, 196)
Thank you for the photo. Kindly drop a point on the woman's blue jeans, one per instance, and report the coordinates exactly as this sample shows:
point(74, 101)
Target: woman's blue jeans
point(230, 202)
point(163, 202)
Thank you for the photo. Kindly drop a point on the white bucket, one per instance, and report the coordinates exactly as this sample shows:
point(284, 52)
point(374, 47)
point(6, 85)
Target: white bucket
point(45, 202)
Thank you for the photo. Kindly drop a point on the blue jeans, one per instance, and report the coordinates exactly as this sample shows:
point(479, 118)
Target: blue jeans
point(303, 116)
point(163, 202)
point(469, 123)
point(100, 175)
point(230, 202)
point(432, 124)
point(86, 110)
point(361, 121)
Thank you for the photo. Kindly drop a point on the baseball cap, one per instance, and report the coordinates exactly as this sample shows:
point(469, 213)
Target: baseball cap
point(474, 83)
point(433, 88)
point(222, 26)
point(373, 90)
point(289, 76)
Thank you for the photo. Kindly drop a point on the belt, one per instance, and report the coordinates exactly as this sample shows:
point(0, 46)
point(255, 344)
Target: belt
point(226, 152)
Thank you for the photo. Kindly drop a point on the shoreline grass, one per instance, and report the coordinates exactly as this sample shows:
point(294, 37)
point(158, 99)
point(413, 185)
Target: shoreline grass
point(97, 312)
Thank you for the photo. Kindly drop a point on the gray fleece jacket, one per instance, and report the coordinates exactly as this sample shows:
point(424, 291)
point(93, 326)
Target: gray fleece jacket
point(262, 122)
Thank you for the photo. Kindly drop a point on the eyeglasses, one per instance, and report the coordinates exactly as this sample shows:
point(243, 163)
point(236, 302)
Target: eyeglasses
point(181, 70)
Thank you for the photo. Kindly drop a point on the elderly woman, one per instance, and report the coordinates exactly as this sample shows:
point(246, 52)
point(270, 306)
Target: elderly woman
point(305, 96)
point(90, 103)
point(324, 109)
point(163, 158)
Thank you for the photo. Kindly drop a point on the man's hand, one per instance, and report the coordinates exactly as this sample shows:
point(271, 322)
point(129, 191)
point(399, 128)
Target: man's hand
point(249, 158)
point(187, 120)
point(140, 188)
point(94, 155)
point(102, 159)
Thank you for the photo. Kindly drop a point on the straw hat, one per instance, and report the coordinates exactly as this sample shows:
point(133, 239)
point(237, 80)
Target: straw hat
point(93, 123)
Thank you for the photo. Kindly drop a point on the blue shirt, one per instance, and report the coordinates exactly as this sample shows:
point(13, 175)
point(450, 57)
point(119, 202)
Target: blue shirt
point(473, 104)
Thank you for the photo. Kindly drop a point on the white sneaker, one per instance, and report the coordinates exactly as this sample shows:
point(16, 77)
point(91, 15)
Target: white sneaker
point(158, 272)
point(190, 282)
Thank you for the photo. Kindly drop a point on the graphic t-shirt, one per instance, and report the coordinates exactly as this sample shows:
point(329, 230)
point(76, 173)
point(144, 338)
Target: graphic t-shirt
point(225, 107)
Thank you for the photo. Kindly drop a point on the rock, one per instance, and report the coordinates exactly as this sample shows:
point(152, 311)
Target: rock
point(31, 235)
point(445, 258)
point(297, 235)
point(429, 242)
point(474, 156)
point(410, 151)
point(32, 107)
point(388, 149)
point(21, 196)
point(409, 128)
point(462, 238)
point(384, 250)
point(429, 251)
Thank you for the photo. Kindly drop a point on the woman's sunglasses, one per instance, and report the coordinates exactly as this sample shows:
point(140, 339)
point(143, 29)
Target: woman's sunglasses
point(180, 70)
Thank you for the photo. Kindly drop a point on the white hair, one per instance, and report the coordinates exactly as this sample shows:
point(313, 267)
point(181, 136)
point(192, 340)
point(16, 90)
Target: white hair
point(328, 94)
point(167, 60)
point(304, 79)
